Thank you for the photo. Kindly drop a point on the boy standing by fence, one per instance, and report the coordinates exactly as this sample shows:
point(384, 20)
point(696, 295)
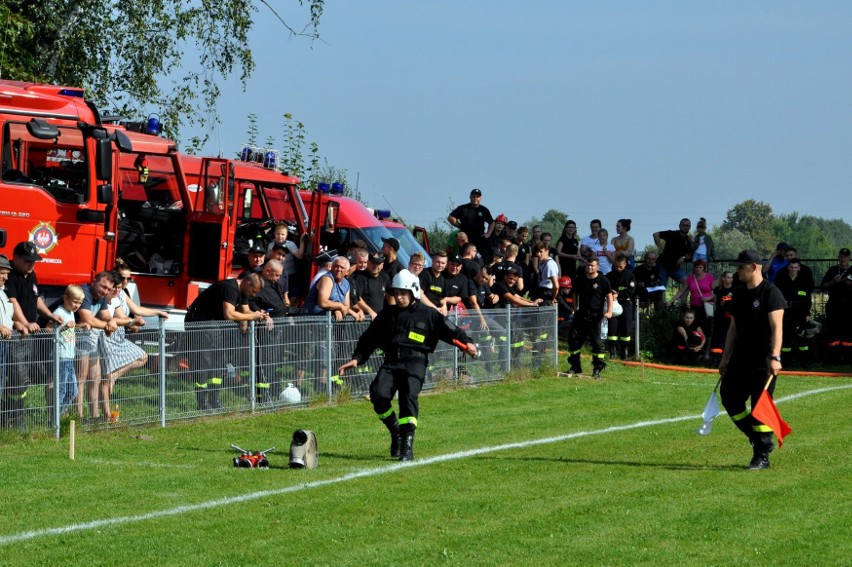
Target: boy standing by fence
point(66, 347)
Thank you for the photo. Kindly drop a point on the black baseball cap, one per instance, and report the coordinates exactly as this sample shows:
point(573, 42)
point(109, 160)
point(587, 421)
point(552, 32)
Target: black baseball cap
point(325, 257)
point(28, 251)
point(376, 258)
point(512, 224)
point(392, 242)
point(497, 253)
point(257, 248)
point(844, 252)
point(748, 257)
point(476, 192)
point(280, 246)
point(455, 258)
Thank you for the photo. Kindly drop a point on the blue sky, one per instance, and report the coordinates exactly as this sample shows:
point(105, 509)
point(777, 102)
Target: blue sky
point(646, 110)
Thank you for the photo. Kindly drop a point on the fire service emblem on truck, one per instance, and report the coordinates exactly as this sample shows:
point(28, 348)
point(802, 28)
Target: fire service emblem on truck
point(44, 237)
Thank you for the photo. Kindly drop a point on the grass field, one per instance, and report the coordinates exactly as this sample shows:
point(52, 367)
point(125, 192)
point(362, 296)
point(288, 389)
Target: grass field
point(591, 473)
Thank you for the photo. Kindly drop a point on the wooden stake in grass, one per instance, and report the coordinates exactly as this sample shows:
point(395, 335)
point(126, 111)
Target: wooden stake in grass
point(72, 435)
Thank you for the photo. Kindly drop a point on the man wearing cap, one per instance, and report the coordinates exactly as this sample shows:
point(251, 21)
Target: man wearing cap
point(752, 352)
point(29, 355)
point(371, 286)
point(838, 311)
point(225, 300)
point(506, 289)
point(256, 259)
point(472, 218)
point(390, 249)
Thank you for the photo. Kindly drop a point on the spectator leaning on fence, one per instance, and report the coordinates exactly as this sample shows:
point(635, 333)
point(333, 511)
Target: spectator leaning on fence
point(93, 312)
point(28, 357)
point(7, 326)
point(225, 300)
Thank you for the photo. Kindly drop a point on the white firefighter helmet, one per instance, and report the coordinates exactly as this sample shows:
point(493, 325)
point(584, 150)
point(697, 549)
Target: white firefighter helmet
point(406, 280)
point(290, 394)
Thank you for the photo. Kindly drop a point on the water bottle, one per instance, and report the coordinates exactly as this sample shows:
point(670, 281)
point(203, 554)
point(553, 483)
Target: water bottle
point(604, 328)
point(232, 372)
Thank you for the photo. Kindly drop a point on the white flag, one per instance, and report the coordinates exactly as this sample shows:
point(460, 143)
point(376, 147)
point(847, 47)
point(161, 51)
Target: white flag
point(711, 410)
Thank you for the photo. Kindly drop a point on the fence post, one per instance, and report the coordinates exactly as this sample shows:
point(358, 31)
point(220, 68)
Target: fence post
point(555, 330)
point(636, 327)
point(253, 365)
point(56, 379)
point(329, 344)
point(161, 368)
point(455, 351)
point(509, 345)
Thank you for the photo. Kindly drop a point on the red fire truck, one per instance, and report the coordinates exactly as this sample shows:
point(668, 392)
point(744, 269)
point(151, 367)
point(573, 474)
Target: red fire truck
point(57, 180)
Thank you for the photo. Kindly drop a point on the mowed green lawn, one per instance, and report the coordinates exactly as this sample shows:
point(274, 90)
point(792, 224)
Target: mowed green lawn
point(648, 494)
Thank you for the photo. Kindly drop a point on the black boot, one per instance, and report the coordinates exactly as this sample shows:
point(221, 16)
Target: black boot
point(201, 398)
point(215, 403)
point(393, 428)
point(574, 363)
point(762, 445)
point(406, 442)
point(599, 365)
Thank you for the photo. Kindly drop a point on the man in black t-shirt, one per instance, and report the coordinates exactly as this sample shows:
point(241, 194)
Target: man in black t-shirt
point(28, 358)
point(590, 294)
point(752, 352)
point(208, 345)
point(432, 281)
point(371, 286)
point(472, 218)
point(676, 247)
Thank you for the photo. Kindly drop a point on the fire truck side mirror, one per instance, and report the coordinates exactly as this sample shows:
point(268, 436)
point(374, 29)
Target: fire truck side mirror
point(103, 160)
point(105, 194)
point(122, 142)
point(42, 129)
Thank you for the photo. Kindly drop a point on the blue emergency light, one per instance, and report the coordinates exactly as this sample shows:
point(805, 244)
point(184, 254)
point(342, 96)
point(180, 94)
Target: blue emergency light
point(71, 92)
point(337, 188)
point(323, 187)
point(383, 214)
point(153, 125)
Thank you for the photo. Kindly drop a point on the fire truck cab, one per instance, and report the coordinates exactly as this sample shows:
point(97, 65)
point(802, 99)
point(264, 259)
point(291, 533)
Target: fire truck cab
point(57, 180)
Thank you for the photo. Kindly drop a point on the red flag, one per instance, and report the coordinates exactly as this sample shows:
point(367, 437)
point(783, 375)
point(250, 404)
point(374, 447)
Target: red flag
point(766, 412)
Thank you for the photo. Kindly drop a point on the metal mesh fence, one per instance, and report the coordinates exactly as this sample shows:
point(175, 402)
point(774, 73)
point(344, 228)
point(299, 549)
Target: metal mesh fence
point(166, 373)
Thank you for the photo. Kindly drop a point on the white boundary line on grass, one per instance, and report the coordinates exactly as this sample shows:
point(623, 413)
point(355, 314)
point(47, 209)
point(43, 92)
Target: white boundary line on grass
point(108, 522)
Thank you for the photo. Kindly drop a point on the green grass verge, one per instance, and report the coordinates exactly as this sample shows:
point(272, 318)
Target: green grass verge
point(654, 495)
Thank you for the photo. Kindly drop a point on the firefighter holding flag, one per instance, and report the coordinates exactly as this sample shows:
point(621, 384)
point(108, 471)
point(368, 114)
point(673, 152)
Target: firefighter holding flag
point(752, 358)
point(406, 332)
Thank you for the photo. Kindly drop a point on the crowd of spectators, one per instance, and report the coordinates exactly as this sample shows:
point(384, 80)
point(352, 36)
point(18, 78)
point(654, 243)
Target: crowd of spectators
point(488, 261)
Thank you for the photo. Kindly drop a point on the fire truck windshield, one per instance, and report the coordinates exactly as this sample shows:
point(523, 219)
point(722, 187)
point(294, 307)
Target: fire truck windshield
point(60, 167)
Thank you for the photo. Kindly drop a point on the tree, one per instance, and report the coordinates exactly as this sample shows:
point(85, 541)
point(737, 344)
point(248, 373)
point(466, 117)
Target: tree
point(813, 237)
point(730, 242)
point(754, 219)
point(552, 221)
point(169, 55)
